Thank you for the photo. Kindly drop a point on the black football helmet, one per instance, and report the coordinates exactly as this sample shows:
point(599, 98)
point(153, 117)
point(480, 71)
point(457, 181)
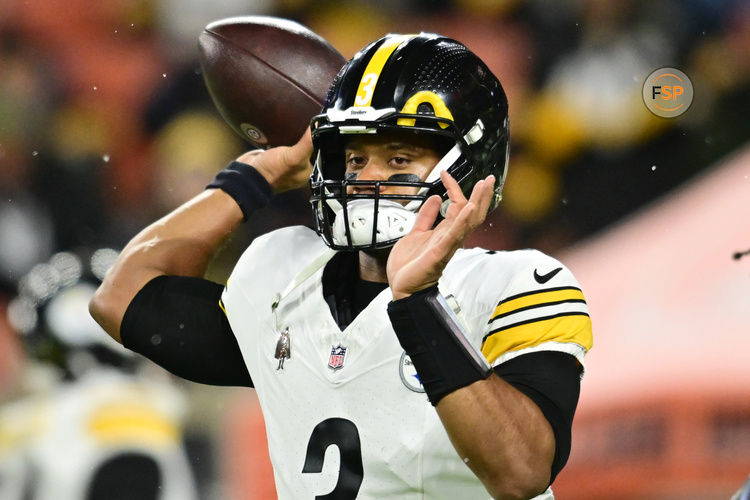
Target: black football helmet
point(420, 84)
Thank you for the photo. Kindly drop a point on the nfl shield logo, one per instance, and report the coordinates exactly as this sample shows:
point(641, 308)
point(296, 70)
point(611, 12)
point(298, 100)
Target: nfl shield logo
point(336, 360)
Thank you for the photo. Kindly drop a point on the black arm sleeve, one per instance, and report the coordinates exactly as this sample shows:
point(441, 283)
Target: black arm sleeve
point(552, 380)
point(177, 323)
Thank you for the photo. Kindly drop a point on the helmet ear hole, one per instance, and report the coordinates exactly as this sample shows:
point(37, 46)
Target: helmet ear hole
point(425, 108)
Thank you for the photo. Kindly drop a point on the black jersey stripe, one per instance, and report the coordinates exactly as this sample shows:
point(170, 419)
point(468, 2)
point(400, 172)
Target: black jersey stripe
point(534, 306)
point(534, 292)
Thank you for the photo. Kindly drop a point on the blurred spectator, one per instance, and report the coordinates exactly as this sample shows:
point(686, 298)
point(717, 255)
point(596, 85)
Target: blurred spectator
point(26, 94)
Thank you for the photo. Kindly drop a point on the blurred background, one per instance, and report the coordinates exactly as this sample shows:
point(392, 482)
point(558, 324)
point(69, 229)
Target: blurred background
point(105, 125)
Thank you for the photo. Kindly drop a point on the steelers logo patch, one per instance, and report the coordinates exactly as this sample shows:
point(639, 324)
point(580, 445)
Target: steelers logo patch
point(409, 374)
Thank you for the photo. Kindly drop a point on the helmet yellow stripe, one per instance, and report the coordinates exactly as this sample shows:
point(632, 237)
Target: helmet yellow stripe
point(438, 106)
point(372, 72)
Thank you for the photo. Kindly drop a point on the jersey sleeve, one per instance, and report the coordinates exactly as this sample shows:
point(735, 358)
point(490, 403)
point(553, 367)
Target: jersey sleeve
point(542, 309)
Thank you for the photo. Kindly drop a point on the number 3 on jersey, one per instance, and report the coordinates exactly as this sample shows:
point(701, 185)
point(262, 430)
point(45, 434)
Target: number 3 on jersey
point(344, 434)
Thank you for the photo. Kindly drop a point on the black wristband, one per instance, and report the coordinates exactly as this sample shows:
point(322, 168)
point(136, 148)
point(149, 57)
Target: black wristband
point(242, 182)
point(432, 336)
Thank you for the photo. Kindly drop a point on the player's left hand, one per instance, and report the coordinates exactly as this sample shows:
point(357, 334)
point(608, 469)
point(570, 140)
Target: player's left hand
point(418, 259)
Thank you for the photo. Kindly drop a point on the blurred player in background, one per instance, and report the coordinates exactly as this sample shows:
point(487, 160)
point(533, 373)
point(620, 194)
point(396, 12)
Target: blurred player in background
point(353, 335)
point(90, 421)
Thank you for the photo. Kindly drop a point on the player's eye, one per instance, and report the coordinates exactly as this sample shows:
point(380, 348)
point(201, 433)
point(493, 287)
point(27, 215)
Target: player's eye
point(400, 161)
point(355, 162)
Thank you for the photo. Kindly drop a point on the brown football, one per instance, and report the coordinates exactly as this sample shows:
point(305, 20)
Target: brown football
point(267, 76)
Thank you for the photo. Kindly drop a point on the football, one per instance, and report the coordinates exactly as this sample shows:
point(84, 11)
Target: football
point(267, 76)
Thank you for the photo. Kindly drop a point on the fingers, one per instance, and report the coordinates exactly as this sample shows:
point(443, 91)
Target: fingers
point(481, 195)
point(427, 214)
point(299, 154)
point(467, 217)
point(451, 186)
point(451, 233)
point(284, 167)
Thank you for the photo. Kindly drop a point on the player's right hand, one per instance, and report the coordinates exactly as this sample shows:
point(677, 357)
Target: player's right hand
point(284, 167)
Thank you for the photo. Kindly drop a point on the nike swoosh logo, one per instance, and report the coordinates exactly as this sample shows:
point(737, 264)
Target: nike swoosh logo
point(544, 278)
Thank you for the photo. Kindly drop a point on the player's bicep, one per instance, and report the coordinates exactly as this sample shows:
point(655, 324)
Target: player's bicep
point(177, 323)
point(552, 381)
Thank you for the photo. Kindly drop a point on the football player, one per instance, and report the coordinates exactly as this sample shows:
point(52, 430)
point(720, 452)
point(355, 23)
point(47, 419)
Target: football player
point(87, 414)
point(437, 372)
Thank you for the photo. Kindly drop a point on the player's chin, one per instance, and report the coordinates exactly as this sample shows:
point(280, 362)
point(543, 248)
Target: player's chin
point(378, 253)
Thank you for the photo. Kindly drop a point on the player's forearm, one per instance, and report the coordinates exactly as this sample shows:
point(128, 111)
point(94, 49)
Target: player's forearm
point(501, 435)
point(181, 243)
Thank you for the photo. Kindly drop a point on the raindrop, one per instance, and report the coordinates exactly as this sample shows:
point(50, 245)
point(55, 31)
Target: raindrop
point(94, 87)
point(105, 158)
point(163, 75)
point(653, 167)
point(35, 153)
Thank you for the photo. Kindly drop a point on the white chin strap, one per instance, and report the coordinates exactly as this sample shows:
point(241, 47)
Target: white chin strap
point(394, 221)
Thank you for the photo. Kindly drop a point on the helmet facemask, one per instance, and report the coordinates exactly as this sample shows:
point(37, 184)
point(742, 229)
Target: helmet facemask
point(349, 220)
point(430, 87)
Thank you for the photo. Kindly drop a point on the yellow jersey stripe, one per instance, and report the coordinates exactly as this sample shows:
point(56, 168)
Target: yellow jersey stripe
point(221, 304)
point(370, 77)
point(574, 327)
point(537, 298)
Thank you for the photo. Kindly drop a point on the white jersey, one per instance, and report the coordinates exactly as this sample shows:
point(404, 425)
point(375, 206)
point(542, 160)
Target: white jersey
point(53, 443)
point(356, 389)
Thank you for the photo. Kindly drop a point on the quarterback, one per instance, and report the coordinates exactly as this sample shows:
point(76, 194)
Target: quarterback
point(389, 362)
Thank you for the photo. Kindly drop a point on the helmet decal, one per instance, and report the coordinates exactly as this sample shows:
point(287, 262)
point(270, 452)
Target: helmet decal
point(374, 67)
point(421, 97)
